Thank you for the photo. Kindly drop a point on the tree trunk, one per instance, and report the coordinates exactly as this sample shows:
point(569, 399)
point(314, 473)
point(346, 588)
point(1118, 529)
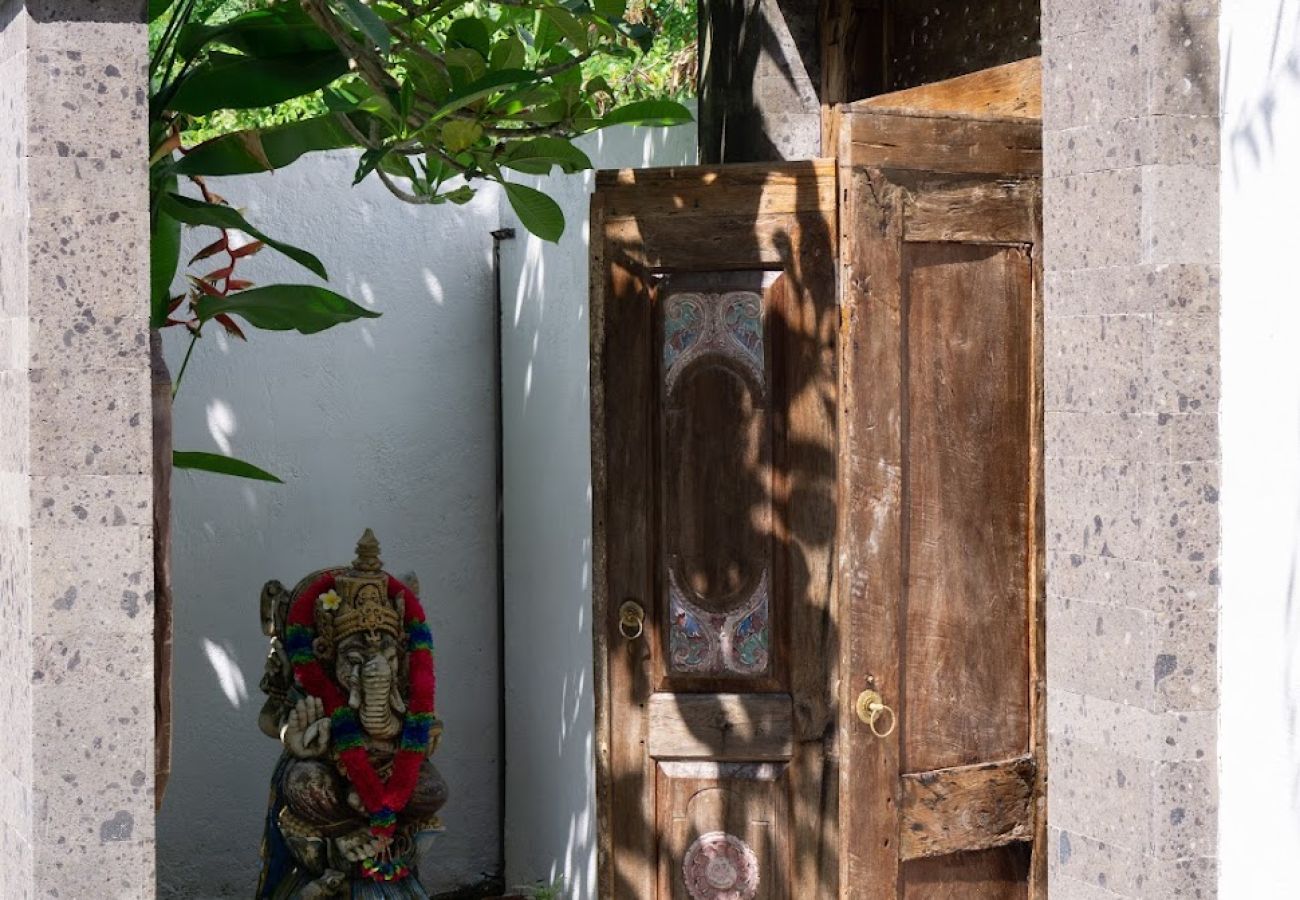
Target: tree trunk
point(162, 565)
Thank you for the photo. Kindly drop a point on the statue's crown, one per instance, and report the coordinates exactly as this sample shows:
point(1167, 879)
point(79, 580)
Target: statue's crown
point(359, 601)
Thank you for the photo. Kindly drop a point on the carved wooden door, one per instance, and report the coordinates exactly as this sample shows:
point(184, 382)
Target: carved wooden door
point(714, 379)
point(940, 509)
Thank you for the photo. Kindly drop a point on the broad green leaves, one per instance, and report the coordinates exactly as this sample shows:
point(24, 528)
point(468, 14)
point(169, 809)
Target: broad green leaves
point(196, 212)
point(647, 112)
point(259, 150)
point(199, 461)
point(236, 81)
point(537, 212)
point(303, 308)
point(539, 155)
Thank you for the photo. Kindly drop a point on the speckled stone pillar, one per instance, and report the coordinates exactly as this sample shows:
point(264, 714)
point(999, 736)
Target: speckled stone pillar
point(76, 679)
point(1131, 251)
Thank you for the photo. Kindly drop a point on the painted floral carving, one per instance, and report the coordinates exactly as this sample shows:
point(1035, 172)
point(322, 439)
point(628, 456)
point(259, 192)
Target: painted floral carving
point(728, 325)
point(720, 866)
point(734, 642)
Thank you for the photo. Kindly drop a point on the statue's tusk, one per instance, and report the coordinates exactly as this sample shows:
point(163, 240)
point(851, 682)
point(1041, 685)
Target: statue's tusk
point(354, 697)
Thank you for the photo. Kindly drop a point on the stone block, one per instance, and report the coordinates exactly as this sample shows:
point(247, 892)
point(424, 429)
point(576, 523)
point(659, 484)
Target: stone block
point(1185, 364)
point(1100, 792)
point(1100, 650)
point(1116, 871)
point(1180, 59)
point(119, 870)
point(1098, 508)
point(1178, 140)
point(114, 427)
point(1185, 525)
point(1093, 76)
point(1093, 220)
point(16, 873)
point(1097, 364)
point(1185, 289)
point(1183, 586)
point(92, 578)
point(13, 264)
point(1101, 436)
point(1093, 148)
point(14, 413)
point(1184, 812)
point(69, 183)
point(91, 105)
point(86, 657)
point(1180, 214)
point(95, 783)
point(1190, 437)
point(1186, 666)
point(1131, 730)
point(1101, 579)
point(1065, 17)
point(13, 31)
point(73, 500)
point(14, 348)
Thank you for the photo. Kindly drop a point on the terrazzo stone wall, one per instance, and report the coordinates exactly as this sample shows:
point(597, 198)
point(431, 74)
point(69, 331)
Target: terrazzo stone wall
point(1132, 385)
point(76, 758)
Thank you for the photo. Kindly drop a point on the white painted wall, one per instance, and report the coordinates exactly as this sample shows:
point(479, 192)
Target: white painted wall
point(550, 788)
point(1259, 735)
point(385, 423)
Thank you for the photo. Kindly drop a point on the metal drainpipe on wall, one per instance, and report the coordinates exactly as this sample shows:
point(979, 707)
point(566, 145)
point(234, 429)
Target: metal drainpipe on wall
point(499, 235)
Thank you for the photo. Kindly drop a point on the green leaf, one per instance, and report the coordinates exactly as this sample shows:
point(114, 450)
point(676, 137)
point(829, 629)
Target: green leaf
point(508, 53)
point(245, 152)
point(221, 465)
point(472, 33)
point(477, 90)
point(647, 112)
point(537, 156)
point(537, 212)
point(568, 25)
point(284, 307)
point(279, 30)
point(612, 9)
point(364, 19)
point(233, 81)
point(164, 259)
point(460, 134)
point(197, 212)
point(158, 7)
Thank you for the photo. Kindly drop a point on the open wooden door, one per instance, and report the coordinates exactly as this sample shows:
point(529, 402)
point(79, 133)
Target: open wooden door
point(942, 724)
point(714, 330)
point(817, 574)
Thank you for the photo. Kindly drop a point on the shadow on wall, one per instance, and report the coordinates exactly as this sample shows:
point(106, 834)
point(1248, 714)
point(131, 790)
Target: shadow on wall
point(550, 790)
point(386, 423)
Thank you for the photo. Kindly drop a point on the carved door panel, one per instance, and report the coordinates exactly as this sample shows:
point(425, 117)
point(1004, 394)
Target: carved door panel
point(941, 511)
point(714, 379)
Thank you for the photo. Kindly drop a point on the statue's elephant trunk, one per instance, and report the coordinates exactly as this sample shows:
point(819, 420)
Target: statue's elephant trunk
point(377, 716)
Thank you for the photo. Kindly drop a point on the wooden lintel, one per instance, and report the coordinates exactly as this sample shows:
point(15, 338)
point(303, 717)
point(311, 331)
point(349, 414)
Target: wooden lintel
point(941, 143)
point(967, 808)
point(1011, 91)
point(983, 212)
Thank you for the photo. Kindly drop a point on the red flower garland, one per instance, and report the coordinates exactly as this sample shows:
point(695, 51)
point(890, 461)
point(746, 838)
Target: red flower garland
point(383, 800)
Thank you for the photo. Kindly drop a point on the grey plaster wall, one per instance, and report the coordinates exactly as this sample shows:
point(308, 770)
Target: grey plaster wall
point(76, 625)
point(1132, 388)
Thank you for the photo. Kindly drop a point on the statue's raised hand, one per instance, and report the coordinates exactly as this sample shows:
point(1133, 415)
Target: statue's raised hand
point(307, 733)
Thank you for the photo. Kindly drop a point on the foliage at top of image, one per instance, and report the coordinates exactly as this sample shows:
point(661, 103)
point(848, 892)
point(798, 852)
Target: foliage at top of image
point(437, 93)
point(668, 70)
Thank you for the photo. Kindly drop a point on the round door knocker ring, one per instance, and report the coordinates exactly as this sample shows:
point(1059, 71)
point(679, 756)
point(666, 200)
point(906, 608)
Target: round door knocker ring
point(873, 722)
point(631, 620)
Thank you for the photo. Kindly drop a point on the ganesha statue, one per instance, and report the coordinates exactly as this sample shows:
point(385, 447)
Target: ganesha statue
point(350, 695)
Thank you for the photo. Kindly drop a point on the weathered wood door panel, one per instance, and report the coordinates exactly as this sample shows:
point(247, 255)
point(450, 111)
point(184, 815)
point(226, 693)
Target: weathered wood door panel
point(940, 513)
point(714, 379)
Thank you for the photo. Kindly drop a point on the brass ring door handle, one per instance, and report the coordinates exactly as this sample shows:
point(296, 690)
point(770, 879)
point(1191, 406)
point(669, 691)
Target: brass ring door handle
point(871, 709)
point(631, 620)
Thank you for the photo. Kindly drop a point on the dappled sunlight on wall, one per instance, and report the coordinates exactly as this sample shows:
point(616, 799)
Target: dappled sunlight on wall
point(550, 790)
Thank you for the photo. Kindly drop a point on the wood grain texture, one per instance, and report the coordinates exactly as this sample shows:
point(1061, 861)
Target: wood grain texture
point(1036, 577)
point(657, 228)
point(941, 143)
point(997, 874)
point(725, 727)
point(968, 377)
point(979, 212)
point(1012, 91)
point(967, 808)
point(870, 522)
point(747, 800)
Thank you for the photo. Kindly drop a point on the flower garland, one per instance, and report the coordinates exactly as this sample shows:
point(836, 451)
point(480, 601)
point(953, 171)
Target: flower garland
point(383, 799)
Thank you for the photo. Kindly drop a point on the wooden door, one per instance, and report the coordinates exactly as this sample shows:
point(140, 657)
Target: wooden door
point(714, 340)
point(941, 510)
